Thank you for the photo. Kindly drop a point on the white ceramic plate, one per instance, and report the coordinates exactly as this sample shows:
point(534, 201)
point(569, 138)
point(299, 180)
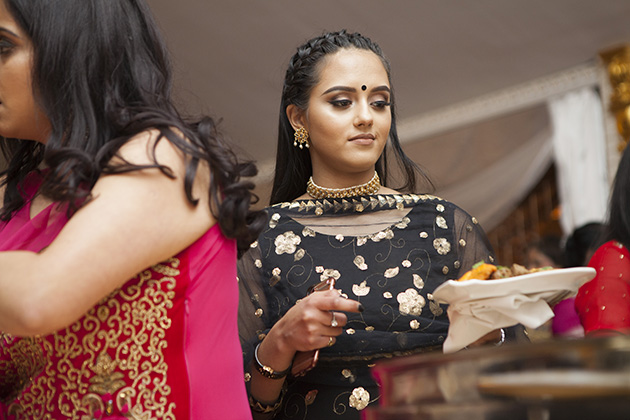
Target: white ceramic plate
point(563, 281)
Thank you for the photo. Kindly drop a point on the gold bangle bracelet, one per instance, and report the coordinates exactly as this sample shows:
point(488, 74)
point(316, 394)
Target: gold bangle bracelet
point(268, 371)
point(261, 408)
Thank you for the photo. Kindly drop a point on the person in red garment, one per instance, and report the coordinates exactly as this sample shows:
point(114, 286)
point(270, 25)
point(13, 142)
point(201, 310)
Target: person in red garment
point(603, 303)
point(118, 291)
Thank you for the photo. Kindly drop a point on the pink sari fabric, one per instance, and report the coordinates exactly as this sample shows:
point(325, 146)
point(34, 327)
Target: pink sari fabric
point(164, 345)
point(27, 234)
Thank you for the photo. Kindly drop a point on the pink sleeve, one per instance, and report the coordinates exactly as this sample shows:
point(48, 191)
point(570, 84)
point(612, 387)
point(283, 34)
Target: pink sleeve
point(213, 352)
point(603, 303)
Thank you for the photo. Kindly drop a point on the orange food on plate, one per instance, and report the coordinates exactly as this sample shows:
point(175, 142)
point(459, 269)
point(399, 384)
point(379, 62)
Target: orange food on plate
point(480, 271)
point(485, 271)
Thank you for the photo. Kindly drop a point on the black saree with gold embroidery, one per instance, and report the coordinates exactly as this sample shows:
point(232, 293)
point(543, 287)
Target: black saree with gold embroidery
point(389, 252)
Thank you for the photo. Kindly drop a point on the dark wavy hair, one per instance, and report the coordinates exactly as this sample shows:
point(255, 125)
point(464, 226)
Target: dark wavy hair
point(618, 225)
point(293, 165)
point(582, 242)
point(101, 74)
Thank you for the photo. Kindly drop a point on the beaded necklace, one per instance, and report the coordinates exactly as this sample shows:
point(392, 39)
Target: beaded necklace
point(370, 187)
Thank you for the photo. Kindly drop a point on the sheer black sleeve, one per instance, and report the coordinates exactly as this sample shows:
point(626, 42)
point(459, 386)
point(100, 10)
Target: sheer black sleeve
point(252, 302)
point(473, 245)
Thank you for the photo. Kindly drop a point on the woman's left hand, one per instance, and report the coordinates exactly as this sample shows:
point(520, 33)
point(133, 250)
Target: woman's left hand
point(495, 337)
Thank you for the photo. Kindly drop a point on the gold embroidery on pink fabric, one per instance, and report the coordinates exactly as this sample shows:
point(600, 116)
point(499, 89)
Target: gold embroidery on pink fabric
point(112, 359)
point(20, 360)
point(107, 380)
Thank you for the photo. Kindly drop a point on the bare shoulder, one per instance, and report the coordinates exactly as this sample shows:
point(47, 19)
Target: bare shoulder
point(140, 150)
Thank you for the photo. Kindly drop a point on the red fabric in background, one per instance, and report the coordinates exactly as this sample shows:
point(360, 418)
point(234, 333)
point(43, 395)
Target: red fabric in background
point(603, 303)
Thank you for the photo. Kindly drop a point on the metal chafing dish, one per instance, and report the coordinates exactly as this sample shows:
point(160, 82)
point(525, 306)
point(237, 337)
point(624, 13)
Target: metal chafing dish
point(568, 379)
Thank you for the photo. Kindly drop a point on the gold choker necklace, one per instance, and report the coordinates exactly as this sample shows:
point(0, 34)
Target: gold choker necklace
point(370, 187)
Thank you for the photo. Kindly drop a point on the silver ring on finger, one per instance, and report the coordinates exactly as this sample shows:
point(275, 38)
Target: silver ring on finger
point(333, 322)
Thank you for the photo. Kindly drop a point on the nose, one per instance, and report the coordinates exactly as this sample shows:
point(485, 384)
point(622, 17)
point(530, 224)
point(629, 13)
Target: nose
point(363, 115)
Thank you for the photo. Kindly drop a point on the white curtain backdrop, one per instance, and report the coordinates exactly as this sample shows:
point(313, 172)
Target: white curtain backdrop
point(572, 137)
point(580, 156)
point(491, 194)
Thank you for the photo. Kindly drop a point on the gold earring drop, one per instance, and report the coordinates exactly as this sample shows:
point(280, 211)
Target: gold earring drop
point(300, 138)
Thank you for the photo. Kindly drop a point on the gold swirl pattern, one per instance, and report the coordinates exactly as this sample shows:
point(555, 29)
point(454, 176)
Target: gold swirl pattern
point(109, 362)
point(20, 360)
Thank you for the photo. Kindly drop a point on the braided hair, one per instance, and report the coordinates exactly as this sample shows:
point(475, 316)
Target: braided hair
point(293, 165)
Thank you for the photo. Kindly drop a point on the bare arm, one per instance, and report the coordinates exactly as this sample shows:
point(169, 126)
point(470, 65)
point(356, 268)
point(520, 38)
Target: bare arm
point(134, 221)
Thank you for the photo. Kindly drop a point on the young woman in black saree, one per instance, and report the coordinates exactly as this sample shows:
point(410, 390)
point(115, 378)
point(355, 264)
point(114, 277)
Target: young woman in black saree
point(333, 217)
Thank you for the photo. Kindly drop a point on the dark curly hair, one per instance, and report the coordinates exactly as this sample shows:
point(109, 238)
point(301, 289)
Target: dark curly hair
point(293, 165)
point(618, 224)
point(101, 74)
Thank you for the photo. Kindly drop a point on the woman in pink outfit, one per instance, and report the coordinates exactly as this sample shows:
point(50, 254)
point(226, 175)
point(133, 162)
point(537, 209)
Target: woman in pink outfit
point(118, 225)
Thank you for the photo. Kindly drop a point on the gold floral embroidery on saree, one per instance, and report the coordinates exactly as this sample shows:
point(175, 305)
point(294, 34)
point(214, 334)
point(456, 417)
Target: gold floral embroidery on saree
point(111, 361)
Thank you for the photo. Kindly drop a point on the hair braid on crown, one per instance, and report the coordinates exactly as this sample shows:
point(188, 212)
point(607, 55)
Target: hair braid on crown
point(301, 69)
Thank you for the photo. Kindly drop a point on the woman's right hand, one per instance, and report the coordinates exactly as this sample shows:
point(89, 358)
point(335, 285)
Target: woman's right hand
point(308, 325)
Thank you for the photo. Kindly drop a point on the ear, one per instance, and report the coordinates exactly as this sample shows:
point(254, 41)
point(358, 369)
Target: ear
point(296, 117)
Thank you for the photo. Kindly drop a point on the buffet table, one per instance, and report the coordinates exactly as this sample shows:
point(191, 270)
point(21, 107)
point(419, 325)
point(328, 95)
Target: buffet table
point(552, 380)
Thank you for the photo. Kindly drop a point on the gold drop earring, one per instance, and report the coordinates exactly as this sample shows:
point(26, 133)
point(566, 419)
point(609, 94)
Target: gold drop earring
point(300, 138)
